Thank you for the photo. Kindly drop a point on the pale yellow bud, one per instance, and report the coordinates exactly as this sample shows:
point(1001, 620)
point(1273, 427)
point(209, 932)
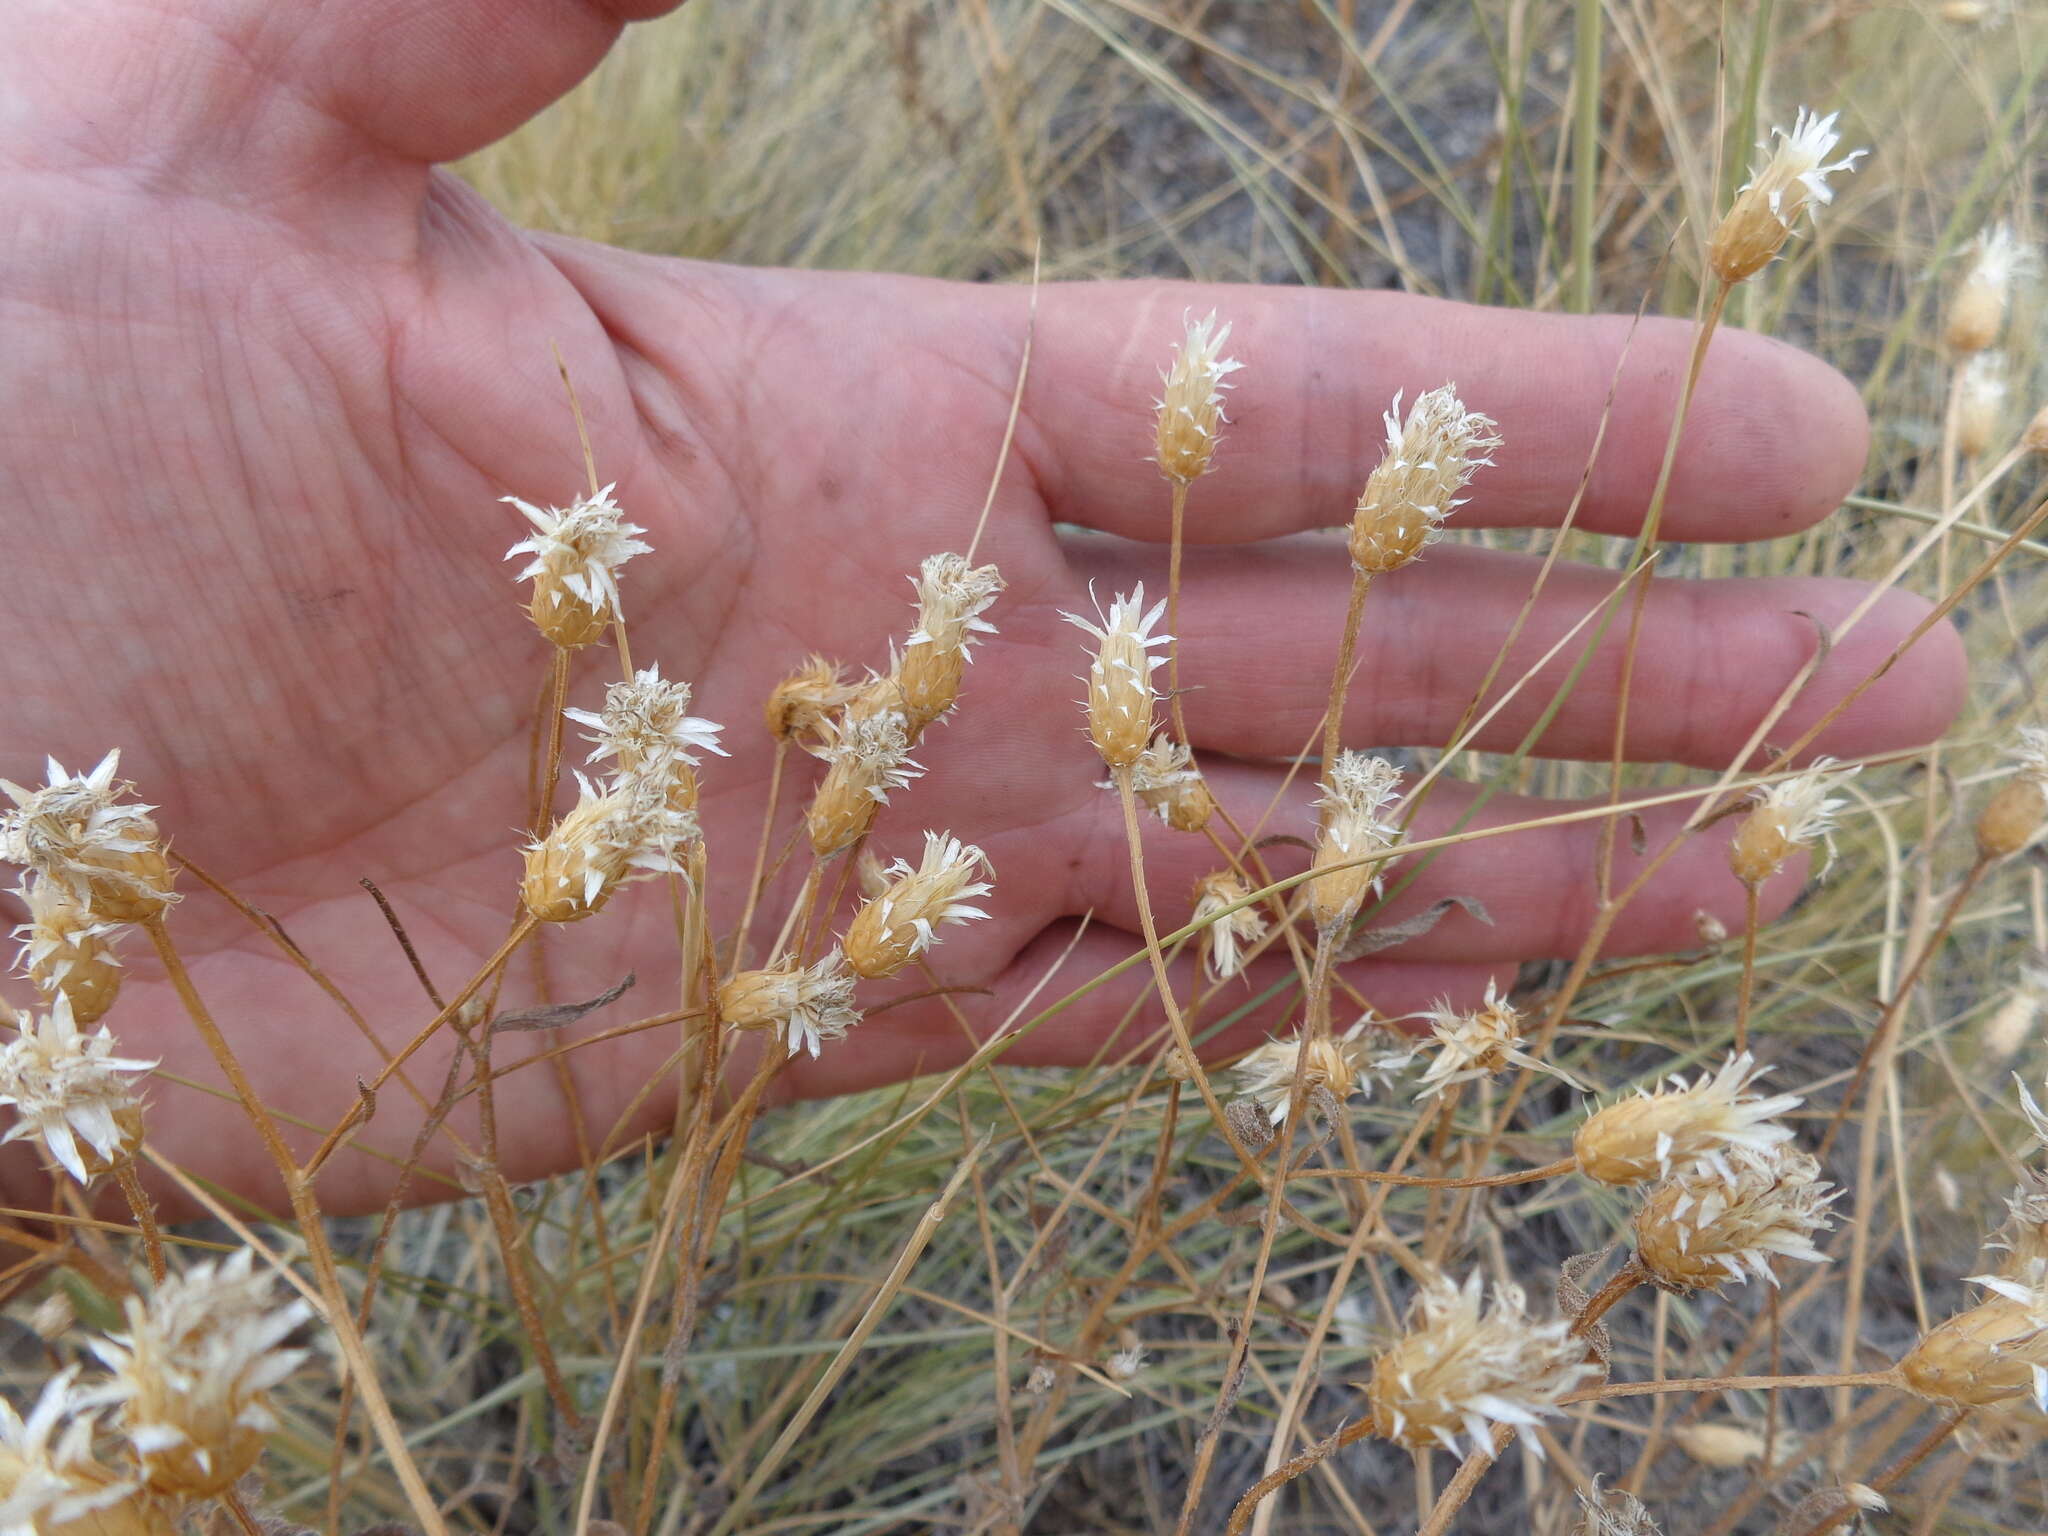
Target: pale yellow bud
point(1756, 228)
point(1120, 692)
point(804, 701)
point(1429, 458)
point(903, 920)
point(1191, 408)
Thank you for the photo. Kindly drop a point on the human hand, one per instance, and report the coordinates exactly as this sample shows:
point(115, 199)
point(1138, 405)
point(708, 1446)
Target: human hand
point(267, 373)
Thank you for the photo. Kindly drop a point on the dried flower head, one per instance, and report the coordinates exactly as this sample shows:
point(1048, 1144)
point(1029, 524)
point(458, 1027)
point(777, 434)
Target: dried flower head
point(192, 1376)
point(2014, 815)
point(867, 756)
point(64, 948)
point(803, 703)
point(1357, 790)
point(1981, 391)
point(646, 726)
point(2024, 1236)
point(804, 1005)
point(628, 826)
point(903, 921)
point(1650, 1134)
point(2018, 1019)
point(68, 1093)
point(1976, 314)
point(1127, 1363)
point(1429, 458)
point(1337, 1066)
point(1706, 1224)
point(1613, 1512)
point(1994, 1352)
point(1768, 208)
point(577, 552)
point(50, 1482)
point(1120, 692)
point(1166, 780)
point(1719, 1445)
point(1191, 409)
point(1477, 1044)
point(1791, 814)
point(1229, 932)
point(75, 833)
point(951, 597)
point(1460, 1369)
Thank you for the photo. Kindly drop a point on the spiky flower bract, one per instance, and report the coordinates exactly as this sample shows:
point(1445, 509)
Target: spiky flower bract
point(902, 921)
point(1992, 1353)
point(2017, 810)
point(1793, 177)
point(1338, 1065)
point(1191, 407)
point(1790, 815)
point(951, 597)
point(1228, 932)
point(77, 834)
point(1613, 1512)
point(1477, 1043)
point(64, 948)
point(1120, 692)
point(868, 753)
point(577, 551)
point(192, 1375)
point(1461, 1368)
point(51, 1484)
point(1709, 1223)
point(1357, 790)
point(1430, 456)
point(1650, 1134)
point(802, 704)
point(630, 825)
point(804, 1005)
point(1166, 781)
point(1976, 313)
point(646, 725)
point(69, 1093)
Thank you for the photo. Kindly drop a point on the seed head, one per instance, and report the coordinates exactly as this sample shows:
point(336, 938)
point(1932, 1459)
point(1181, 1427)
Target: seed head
point(192, 1376)
point(2024, 1237)
point(804, 1005)
point(1429, 458)
point(951, 596)
point(1167, 781)
point(65, 949)
point(1120, 693)
point(1793, 813)
point(50, 1482)
point(74, 833)
point(1477, 1044)
point(903, 921)
point(68, 1093)
point(1127, 1363)
point(1980, 403)
point(1994, 1352)
point(1192, 408)
point(1719, 1445)
point(868, 755)
point(646, 727)
point(627, 826)
point(1976, 314)
point(1459, 1369)
point(577, 552)
point(1223, 941)
point(1356, 790)
point(2014, 815)
point(2019, 1018)
point(1614, 1512)
point(1767, 209)
point(802, 704)
point(1706, 1225)
point(1339, 1065)
point(1647, 1136)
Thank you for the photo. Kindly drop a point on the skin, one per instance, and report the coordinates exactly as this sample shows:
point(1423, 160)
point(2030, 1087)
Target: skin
point(267, 372)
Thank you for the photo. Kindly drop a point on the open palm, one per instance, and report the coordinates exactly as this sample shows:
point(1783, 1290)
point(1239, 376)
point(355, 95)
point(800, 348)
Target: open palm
point(266, 373)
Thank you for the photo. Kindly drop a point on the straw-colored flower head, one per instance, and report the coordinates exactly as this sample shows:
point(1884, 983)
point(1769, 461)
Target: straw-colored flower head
point(1357, 790)
point(1792, 814)
point(803, 703)
point(627, 827)
point(646, 728)
point(903, 921)
point(1719, 1445)
point(951, 597)
point(64, 948)
point(2014, 815)
point(577, 552)
point(1461, 1368)
point(867, 756)
point(1191, 410)
point(69, 1093)
point(1646, 1136)
point(1229, 933)
point(75, 833)
point(2018, 1019)
point(1613, 1512)
point(1976, 313)
point(1994, 1352)
point(192, 1376)
point(804, 1005)
point(1476, 1044)
point(1266, 1076)
point(2034, 438)
point(1768, 208)
point(1707, 1224)
point(1120, 692)
point(1166, 780)
point(1429, 458)
point(1981, 403)
point(51, 1484)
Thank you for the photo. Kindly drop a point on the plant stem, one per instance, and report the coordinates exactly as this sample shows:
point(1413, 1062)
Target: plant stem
point(1340, 678)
